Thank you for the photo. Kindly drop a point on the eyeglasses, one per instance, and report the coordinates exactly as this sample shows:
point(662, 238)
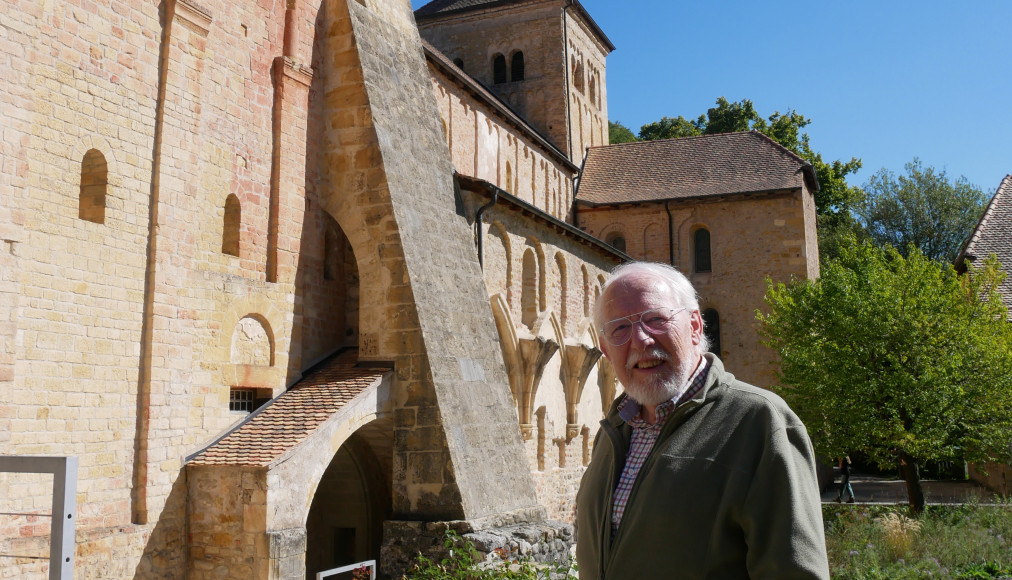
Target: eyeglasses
point(655, 321)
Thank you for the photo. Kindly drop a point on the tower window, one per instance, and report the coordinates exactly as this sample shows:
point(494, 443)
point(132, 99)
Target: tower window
point(499, 69)
point(701, 249)
point(517, 70)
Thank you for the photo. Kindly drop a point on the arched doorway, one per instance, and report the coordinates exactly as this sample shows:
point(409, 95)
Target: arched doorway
point(353, 499)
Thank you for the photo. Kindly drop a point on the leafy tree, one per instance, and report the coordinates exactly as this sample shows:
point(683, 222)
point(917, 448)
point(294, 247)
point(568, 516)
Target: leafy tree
point(833, 201)
point(898, 357)
point(619, 133)
point(922, 208)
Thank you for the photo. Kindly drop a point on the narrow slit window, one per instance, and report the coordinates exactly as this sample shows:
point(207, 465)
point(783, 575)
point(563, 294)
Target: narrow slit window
point(230, 231)
point(701, 246)
point(94, 185)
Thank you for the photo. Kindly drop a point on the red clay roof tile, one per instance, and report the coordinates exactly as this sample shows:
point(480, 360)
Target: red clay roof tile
point(994, 236)
point(690, 167)
point(293, 416)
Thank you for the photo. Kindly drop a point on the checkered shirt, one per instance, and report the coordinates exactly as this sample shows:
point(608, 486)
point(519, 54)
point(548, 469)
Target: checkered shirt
point(644, 435)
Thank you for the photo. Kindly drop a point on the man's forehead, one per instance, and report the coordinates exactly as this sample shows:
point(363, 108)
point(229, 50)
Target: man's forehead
point(639, 288)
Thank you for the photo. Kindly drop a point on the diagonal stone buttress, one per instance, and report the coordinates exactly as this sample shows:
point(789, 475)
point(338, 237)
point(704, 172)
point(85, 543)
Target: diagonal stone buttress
point(458, 454)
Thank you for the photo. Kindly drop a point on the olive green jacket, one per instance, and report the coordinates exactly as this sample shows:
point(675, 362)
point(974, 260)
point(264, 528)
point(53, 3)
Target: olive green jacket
point(728, 491)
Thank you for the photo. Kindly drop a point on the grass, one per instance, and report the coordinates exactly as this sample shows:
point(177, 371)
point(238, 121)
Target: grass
point(968, 541)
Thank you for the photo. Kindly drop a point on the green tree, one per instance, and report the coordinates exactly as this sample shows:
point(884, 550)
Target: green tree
point(834, 200)
point(619, 133)
point(897, 357)
point(923, 209)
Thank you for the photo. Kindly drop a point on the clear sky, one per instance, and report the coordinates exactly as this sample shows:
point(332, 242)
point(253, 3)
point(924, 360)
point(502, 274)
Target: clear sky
point(883, 80)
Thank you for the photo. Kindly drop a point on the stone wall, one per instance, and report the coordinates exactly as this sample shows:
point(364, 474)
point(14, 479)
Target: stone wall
point(535, 29)
point(541, 280)
point(485, 145)
point(775, 231)
point(588, 98)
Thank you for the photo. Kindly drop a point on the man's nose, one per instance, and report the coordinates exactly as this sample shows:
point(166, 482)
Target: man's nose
point(640, 334)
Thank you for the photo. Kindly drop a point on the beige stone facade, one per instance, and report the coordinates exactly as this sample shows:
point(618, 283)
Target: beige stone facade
point(783, 248)
point(208, 206)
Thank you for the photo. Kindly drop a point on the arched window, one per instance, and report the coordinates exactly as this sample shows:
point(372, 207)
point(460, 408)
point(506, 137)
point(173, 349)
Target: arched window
point(94, 181)
point(230, 231)
point(578, 77)
point(592, 83)
point(701, 250)
point(529, 290)
point(508, 186)
point(498, 69)
point(617, 241)
point(517, 68)
point(711, 326)
point(459, 62)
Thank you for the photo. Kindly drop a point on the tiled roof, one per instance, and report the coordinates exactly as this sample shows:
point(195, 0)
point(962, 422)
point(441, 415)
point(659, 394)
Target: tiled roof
point(690, 167)
point(293, 416)
point(440, 7)
point(994, 236)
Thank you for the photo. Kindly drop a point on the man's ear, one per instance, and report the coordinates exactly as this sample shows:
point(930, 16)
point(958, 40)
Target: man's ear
point(696, 323)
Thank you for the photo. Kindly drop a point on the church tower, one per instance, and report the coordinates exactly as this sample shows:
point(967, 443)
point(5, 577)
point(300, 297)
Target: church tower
point(544, 58)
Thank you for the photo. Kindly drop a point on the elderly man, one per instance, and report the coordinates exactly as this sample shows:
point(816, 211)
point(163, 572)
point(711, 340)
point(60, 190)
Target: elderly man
point(694, 474)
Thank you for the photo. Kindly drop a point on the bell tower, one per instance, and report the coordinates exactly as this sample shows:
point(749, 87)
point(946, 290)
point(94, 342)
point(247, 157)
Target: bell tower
point(544, 58)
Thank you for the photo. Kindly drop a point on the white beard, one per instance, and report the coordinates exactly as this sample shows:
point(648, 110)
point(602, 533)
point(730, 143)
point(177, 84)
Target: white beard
point(654, 391)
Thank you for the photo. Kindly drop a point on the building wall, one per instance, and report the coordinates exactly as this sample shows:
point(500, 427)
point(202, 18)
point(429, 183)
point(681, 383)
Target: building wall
point(751, 237)
point(548, 299)
point(535, 29)
point(563, 94)
point(587, 90)
point(483, 145)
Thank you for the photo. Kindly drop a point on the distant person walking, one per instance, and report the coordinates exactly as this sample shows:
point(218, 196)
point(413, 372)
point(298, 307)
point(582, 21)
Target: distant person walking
point(845, 487)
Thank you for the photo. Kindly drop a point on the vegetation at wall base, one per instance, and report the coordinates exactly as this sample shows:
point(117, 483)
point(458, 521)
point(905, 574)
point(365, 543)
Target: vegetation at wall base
point(970, 541)
point(464, 562)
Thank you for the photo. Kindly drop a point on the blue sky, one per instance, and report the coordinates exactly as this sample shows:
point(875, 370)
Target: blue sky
point(883, 81)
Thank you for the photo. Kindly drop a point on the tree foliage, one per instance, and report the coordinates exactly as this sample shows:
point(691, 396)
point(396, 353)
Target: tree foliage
point(898, 357)
point(835, 198)
point(619, 133)
point(923, 209)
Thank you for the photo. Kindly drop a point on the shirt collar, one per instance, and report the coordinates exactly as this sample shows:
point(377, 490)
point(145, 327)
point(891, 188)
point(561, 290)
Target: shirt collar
point(629, 409)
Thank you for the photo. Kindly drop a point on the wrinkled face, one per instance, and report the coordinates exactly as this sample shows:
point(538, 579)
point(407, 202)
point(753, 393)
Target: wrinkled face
point(651, 367)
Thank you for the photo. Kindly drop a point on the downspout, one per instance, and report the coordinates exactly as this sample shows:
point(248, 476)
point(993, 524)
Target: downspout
point(477, 228)
point(671, 234)
point(565, 65)
point(576, 188)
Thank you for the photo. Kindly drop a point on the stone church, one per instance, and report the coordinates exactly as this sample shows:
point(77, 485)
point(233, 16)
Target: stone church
point(303, 283)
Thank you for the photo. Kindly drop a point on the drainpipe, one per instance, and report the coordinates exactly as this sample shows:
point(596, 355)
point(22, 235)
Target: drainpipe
point(477, 228)
point(565, 65)
point(671, 234)
point(576, 189)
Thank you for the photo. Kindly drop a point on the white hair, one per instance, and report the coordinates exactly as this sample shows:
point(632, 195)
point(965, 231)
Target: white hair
point(681, 288)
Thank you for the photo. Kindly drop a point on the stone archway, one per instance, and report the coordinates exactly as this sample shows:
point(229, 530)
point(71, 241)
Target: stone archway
point(352, 500)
